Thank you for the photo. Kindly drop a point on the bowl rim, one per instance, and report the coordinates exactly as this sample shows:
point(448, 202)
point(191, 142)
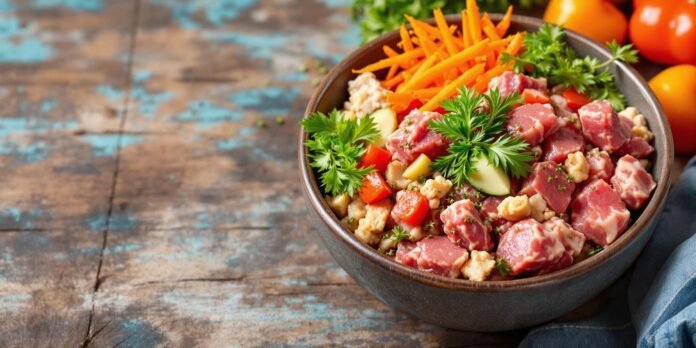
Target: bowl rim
point(639, 226)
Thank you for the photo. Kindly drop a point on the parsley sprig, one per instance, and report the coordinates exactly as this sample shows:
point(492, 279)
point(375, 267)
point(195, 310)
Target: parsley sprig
point(502, 267)
point(335, 147)
point(475, 124)
point(547, 54)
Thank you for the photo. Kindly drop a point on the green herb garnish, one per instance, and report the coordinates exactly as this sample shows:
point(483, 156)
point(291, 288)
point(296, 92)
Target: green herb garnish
point(502, 267)
point(335, 147)
point(476, 130)
point(398, 234)
point(594, 250)
point(547, 54)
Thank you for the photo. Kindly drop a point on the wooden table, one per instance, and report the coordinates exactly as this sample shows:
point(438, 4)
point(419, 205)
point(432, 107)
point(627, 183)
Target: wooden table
point(142, 205)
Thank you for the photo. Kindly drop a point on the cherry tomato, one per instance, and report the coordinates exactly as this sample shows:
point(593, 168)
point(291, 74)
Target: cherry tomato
point(375, 156)
point(675, 87)
point(411, 207)
point(575, 99)
point(374, 188)
point(532, 96)
point(598, 19)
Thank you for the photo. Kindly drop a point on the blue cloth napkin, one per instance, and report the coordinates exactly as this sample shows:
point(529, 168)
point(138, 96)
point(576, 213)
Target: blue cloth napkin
point(654, 304)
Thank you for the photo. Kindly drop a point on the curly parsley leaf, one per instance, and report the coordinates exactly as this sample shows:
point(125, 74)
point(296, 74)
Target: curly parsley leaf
point(335, 147)
point(547, 54)
point(502, 267)
point(475, 124)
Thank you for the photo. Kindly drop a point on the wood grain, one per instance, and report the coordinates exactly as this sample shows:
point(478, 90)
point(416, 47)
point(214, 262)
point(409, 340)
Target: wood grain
point(142, 205)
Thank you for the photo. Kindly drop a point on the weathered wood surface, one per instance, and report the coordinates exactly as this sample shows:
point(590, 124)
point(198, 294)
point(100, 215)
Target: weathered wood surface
point(140, 204)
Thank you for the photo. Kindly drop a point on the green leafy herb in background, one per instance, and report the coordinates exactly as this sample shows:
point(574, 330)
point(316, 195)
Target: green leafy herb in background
point(377, 17)
point(335, 147)
point(476, 130)
point(546, 54)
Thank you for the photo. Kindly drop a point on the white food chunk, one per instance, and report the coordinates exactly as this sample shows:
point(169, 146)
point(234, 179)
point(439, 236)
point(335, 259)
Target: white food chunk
point(514, 208)
point(435, 189)
point(370, 227)
point(366, 95)
point(395, 175)
point(479, 266)
point(577, 167)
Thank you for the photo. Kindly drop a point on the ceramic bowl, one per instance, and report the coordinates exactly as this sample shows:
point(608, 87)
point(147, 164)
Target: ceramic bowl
point(491, 305)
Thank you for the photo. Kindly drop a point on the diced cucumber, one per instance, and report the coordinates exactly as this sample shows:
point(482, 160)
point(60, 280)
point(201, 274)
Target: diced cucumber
point(419, 168)
point(386, 122)
point(489, 179)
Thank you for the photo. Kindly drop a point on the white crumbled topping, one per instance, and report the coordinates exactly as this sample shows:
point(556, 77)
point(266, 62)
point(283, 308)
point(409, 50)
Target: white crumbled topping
point(539, 211)
point(640, 126)
point(356, 211)
point(435, 189)
point(479, 266)
point(395, 175)
point(370, 227)
point(366, 96)
point(577, 167)
point(514, 208)
point(339, 204)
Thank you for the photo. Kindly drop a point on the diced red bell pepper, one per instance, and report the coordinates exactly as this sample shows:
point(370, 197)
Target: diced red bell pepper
point(412, 105)
point(533, 96)
point(440, 110)
point(375, 156)
point(411, 207)
point(374, 188)
point(575, 99)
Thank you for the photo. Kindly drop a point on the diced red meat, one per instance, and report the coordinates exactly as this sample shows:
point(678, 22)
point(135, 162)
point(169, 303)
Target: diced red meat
point(466, 191)
point(532, 122)
point(636, 147)
point(563, 142)
point(439, 256)
point(528, 247)
point(552, 182)
point(489, 207)
point(414, 138)
point(572, 240)
point(602, 127)
point(599, 213)
point(601, 166)
point(560, 104)
point(464, 227)
point(632, 182)
point(509, 82)
point(407, 254)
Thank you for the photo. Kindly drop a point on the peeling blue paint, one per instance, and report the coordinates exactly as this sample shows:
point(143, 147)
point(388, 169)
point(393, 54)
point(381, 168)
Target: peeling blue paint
point(139, 333)
point(336, 3)
point(351, 37)
point(107, 144)
point(30, 153)
point(292, 76)
point(203, 221)
point(118, 222)
point(217, 13)
point(24, 219)
point(47, 105)
point(270, 101)
point(75, 5)
point(13, 125)
point(20, 45)
point(141, 76)
point(122, 248)
point(149, 102)
point(257, 46)
point(206, 114)
point(110, 92)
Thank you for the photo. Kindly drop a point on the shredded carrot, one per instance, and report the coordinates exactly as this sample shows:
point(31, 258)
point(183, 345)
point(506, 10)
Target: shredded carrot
point(504, 23)
point(391, 53)
point(394, 81)
point(474, 18)
point(465, 30)
point(405, 38)
point(423, 38)
point(427, 64)
point(449, 63)
point(451, 88)
point(515, 44)
point(489, 28)
point(444, 32)
point(426, 93)
point(387, 62)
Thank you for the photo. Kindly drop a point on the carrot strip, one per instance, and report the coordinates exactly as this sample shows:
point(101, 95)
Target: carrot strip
point(490, 60)
point(515, 44)
point(387, 62)
point(392, 71)
point(394, 81)
point(426, 93)
point(391, 53)
point(504, 23)
point(451, 88)
point(405, 38)
point(447, 64)
point(465, 30)
point(489, 28)
point(444, 32)
point(427, 64)
point(474, 18)
point(423, 38)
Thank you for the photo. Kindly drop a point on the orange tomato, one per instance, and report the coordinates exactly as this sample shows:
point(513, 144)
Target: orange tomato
point(665, 31)
point(598, 19)
point(675, 87)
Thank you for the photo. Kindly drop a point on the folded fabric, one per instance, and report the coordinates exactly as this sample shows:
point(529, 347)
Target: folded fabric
point(654, 304)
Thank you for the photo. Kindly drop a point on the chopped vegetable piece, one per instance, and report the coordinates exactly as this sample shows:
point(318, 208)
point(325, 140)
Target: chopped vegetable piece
point(451, 89)
point(411, 207)
point(374, 188)
point(375, 157)
point(386, 122)
point(489, 179)
point(419, 168)
point(533, 96)
point(339, 204)
point(575, 99)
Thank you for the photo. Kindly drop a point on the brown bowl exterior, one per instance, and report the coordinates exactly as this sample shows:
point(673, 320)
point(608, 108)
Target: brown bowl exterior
point(494, 305)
